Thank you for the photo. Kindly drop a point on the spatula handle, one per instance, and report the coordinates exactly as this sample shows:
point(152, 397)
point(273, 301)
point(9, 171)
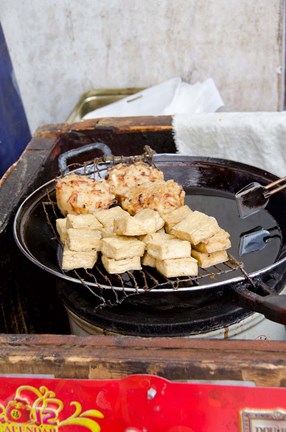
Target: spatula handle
point(272, 188)
point(272, 306)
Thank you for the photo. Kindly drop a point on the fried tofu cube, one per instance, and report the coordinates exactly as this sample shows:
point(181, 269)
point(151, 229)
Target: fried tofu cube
point(219, 241)
point(220, 235)
point(177, 267)
point(206, 260)
point(113, 266)
point(83, 221)
point(61, 227)
point(122, 247)
point(196, 227)
point(106, 216)
point(128, 226)
point(74, 260)
point(157, 236)
point(148, 260)
point(108, 232)
point(175, 216)
point(167, 249)
point(81, 240)
point(151, 219)
point(144, 222)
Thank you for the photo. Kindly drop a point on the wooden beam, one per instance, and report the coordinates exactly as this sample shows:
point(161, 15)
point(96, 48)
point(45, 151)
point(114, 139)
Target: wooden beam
point(178, 359)
point(119, 125)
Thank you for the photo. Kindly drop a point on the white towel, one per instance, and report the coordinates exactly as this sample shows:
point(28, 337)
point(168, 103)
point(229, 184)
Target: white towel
point(257, 139)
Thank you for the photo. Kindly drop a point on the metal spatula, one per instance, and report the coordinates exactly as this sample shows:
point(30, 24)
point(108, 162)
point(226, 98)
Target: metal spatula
point(256, 239)
point(254, 197)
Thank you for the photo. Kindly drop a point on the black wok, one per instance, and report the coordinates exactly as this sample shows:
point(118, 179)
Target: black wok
point(210, 186)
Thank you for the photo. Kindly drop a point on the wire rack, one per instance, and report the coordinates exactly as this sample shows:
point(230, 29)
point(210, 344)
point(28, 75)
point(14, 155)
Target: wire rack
point(97, 280)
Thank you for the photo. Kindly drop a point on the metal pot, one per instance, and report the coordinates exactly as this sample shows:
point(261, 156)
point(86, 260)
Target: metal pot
point(210, 186)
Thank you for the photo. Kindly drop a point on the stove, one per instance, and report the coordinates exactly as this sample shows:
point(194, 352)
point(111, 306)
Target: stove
point(214, 320)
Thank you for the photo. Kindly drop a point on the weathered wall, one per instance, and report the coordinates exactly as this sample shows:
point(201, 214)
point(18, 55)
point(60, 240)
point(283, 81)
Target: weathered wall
point(62, 48)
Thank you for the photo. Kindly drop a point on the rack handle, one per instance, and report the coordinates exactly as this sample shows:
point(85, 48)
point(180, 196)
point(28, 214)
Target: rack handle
point(64, 157)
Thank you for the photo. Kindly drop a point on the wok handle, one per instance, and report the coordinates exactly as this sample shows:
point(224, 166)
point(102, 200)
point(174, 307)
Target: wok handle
point(63, 158)
point(272, 306)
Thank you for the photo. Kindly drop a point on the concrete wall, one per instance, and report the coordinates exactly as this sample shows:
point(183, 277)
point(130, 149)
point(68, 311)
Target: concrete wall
point(62, 48)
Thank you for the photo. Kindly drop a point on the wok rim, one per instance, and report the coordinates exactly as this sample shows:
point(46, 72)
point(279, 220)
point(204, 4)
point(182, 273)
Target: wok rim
point(161, 157)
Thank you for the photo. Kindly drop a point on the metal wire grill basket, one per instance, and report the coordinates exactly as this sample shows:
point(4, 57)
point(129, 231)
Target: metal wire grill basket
point(98, 280)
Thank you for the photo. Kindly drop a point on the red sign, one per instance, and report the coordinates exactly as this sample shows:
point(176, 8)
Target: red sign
point(139, 403)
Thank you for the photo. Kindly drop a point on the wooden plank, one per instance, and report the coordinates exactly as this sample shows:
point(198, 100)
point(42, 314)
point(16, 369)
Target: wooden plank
point(108, 357)
point(16, 182)
point(125, 136)
point(117, 125)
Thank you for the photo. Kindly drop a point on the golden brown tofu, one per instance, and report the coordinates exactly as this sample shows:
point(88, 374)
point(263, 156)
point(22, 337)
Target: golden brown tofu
point(83, 221)
point(122, 247)
point(106, 217)
point(74, 260)
point(113, 266)
point(177, 267)
point(81, 240)
point(175, 216)
point(128, 226)
point(61, 226)
point(211, 259)
point(108, 232)
point(145, 222)
point(196, 227)
point(148, 260)
point(219, 241)
point(167, 249)
point(159, 235)
point(220, 235)
point(151, 219)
